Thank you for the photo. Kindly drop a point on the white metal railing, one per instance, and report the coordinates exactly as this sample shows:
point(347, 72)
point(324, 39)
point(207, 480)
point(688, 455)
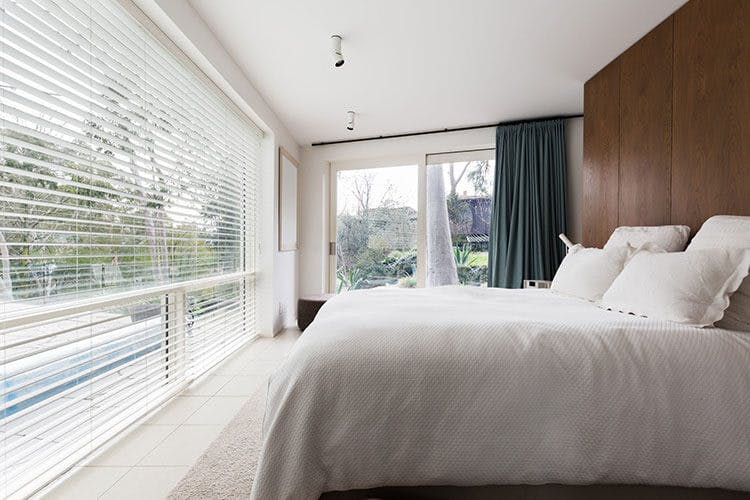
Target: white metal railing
point(43, 313)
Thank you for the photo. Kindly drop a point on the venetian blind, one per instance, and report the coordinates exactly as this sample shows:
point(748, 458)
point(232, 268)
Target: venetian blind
point(127, 223)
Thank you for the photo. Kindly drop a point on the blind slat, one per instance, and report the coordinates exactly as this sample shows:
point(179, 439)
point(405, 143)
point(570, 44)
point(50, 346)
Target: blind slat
point(128, 191)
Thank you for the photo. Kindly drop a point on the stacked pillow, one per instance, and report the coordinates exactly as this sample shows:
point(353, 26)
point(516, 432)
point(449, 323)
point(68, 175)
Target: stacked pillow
point(670, 238)
point(727, 231)
point(692, 287)
point(586, 273)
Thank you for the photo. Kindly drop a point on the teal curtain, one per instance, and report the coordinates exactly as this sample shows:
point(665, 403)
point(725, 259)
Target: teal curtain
point(528, 207)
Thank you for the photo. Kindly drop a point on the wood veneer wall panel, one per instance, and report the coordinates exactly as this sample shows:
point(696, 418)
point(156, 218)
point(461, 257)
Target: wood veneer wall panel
point(646, 129)
point(711, 125)
point(601, 150)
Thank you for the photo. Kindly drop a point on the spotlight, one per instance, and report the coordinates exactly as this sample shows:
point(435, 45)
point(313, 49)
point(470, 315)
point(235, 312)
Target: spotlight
point(350, 120)
point(338, 59)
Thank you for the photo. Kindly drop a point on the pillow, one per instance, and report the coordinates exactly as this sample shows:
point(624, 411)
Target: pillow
point(670, 238)
point(728, 231)
point(722, 231)
point(587, 273)
point(685, 287)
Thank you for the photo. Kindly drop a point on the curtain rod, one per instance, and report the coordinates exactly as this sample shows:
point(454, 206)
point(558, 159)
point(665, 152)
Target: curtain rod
point(442, 131)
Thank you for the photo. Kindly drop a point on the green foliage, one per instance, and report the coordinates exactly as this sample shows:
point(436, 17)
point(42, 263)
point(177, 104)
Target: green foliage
point(351, 279)
point(472, 275)
point(401, 264)
point(88, 224)
point(463, 255)
point(407, 282)
point(471, 266)
point(479, 176)
point(479, 258)
point(352, 234)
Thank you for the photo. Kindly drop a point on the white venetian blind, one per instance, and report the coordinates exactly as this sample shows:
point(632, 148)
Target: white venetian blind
point(127, 229)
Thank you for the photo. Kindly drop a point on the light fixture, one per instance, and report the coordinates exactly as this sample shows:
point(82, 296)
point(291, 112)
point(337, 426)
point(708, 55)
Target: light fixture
point(338, 59)
point(350, 120)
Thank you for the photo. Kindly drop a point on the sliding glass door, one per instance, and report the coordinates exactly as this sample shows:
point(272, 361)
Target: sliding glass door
point(459, 207)
point(375, 227)
point(411, 224)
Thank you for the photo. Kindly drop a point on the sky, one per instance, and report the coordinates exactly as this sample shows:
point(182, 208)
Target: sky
point(397, 183)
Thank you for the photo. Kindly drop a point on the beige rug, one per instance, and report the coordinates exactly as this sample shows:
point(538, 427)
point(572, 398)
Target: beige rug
point(226, 469)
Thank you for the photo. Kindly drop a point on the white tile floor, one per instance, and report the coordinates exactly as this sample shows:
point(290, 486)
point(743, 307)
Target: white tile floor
point(148, 461)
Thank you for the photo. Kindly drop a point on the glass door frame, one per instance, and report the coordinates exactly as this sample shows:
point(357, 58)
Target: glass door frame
point(420, 160)
point(393, 161)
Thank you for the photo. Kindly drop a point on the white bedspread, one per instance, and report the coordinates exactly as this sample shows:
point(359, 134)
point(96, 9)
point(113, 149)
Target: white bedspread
point(468, 386)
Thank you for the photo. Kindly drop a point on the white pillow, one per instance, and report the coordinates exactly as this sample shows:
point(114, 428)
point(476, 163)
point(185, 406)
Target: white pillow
point(728, 231)
point(670, 238)
point(722, 231)
point(587, 273)
point(685, 287)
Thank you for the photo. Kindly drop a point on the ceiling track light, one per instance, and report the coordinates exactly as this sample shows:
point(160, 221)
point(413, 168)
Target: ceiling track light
point(338, 59)
point(350, 120)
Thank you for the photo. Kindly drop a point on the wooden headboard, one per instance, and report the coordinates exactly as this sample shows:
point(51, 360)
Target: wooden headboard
point(667, 124)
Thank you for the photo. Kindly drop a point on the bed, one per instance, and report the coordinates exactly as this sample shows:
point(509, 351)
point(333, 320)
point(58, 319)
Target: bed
point(469, 387)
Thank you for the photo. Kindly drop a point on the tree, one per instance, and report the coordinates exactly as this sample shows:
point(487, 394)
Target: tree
point(38, 214)
point(352, 234)
point(441, 266)
point(362, 192)
point(456, 179)
point(475, 171)
point(478, 176)
point(6, 284)
point(353, 231)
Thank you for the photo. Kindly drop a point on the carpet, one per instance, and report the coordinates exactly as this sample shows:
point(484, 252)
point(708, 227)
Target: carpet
point(227, 468)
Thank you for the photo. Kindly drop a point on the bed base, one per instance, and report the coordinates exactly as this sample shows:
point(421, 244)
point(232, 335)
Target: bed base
point(537, 492)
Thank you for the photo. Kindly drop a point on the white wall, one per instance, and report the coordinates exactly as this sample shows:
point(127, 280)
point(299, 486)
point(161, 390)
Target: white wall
point(314, 182)
point(277, 271)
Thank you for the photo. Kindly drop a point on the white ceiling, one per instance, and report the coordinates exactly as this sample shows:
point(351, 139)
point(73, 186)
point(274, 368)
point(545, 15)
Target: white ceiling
point(415, 65)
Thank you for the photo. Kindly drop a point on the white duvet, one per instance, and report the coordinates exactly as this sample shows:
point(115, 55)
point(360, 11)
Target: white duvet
point(468, 386)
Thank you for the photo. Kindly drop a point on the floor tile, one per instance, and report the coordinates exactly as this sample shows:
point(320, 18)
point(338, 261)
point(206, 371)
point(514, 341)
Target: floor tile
point(208, 386)
point(166, 446)
point(242, 385)
point(177, 411)
point(134, 446)
point(219, 412)
point(146, 483)
point(243, 366)
point(87, 483)
point(183, 446)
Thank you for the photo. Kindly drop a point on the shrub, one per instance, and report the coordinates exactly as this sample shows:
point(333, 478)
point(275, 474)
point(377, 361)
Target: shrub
point(472, 275)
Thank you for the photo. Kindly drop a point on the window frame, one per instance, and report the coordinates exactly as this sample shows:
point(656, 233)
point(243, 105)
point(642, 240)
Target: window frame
point(421, 160)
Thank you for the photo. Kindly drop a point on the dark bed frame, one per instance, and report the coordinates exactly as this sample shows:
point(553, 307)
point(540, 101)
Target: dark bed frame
point(538, 492)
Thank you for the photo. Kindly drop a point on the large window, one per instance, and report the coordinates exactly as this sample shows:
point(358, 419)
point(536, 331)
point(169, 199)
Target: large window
point(459, 202)
point(127, 211)
point(402, 223)
point(376, 227)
